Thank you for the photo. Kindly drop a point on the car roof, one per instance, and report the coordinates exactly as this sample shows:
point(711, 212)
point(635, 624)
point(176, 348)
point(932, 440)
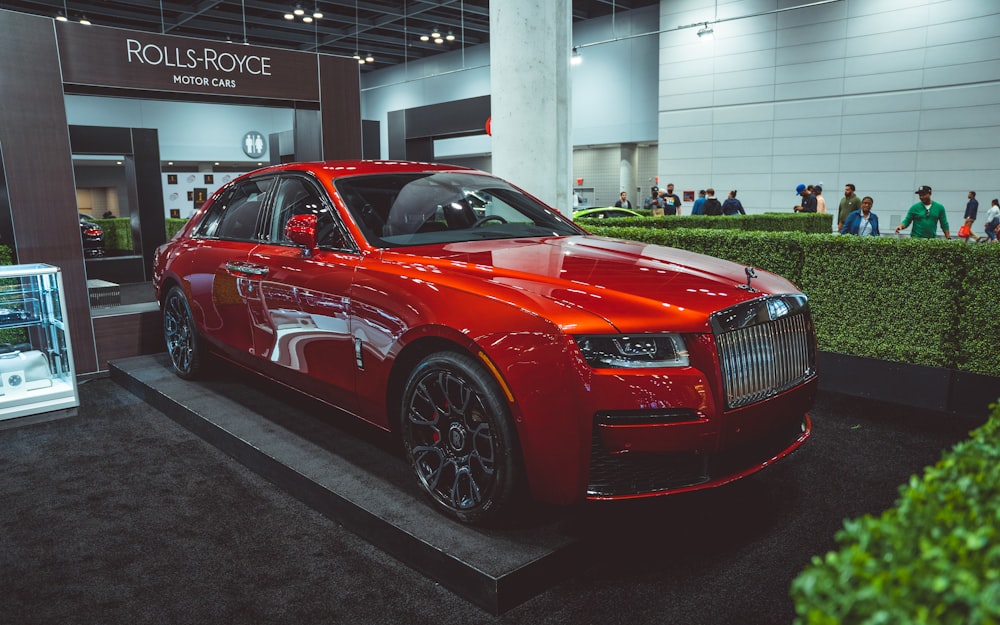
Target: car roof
point(340, 168)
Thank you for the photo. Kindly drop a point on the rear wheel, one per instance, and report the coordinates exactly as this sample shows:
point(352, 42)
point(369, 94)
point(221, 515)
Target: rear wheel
point(459, 437)
point(183, 343)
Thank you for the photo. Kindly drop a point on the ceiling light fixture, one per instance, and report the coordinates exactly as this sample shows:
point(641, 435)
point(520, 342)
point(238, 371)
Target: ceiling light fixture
point(85, 21)
point(369, 58)
point(706, 33)
point(577, 58)
point(302, 14)
point(62, 16)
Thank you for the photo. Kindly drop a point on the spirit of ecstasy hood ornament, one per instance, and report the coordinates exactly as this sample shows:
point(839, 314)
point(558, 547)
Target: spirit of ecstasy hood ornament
point(751, 274)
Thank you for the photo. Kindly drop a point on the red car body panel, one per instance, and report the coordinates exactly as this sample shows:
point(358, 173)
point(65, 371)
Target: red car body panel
point(339, 325)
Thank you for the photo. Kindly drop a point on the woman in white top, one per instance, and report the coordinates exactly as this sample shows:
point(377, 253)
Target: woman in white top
point(993, 220)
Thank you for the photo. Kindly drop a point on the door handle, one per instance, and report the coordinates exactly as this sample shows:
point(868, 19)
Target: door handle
point(246, 268)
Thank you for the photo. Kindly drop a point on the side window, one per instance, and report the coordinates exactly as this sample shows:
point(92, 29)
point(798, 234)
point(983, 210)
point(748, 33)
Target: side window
point(234, 214)
point(298, 196)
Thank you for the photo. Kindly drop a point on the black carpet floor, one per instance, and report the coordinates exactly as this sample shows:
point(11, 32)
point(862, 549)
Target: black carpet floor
point(120, 516)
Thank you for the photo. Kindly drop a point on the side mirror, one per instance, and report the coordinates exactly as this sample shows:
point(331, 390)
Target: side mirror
point(301, 230)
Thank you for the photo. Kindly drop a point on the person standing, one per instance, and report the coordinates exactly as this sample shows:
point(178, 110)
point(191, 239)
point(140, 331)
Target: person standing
point(820, 200)
point(862, 222)
point(732, 206)
point(993, 221)
point(671, 203)
point(623, 201)
point(698, 208)
point(849, 203)
point(653, 201)
point(808, 202)
point(712, 205)
point(925, 216)
point(971, 211)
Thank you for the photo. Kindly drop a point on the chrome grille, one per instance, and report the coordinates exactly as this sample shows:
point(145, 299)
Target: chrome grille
point(766, 346)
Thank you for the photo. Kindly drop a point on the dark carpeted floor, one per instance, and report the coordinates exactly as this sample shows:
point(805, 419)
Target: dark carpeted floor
point(120, 516)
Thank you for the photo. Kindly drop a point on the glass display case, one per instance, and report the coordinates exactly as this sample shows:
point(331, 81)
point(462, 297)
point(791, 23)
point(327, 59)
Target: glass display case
point(36, 358)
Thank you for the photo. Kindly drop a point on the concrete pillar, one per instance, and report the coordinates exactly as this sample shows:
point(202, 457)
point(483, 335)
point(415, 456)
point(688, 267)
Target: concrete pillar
point(530, 46)
point(626, 171)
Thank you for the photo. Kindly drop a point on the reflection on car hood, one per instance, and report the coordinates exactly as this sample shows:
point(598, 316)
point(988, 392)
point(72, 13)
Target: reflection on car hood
point(634, 286)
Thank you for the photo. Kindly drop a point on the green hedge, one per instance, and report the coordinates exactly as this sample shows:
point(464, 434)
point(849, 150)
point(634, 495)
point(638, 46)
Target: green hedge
point(930, 302)
point(767, 222)
point(117, 234)
point(174, 226)
point(933, 558)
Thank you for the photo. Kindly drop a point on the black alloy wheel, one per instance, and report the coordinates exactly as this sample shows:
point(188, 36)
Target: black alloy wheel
point(459, 437)
point(183, 343)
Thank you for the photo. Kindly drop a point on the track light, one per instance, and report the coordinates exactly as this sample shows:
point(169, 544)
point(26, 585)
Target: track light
point(706, 33)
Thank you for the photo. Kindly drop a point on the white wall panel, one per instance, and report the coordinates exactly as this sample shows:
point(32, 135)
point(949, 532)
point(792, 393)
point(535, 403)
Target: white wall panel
point(744, 147)
point(880, 142)
point(882, 122)
point(879, 83)
point(731, 97)
point(743, 114)
point(808, 127)
point(866, 159)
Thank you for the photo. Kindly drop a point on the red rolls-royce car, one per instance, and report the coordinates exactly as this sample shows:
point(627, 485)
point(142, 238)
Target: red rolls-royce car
point(511, 351)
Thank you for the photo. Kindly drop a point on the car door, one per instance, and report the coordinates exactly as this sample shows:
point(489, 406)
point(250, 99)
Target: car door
point(219, 278)
point(300, 314)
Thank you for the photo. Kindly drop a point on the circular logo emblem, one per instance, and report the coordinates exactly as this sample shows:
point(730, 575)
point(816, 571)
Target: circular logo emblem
point(456, 437)
point(254, 144)
point(14, 380)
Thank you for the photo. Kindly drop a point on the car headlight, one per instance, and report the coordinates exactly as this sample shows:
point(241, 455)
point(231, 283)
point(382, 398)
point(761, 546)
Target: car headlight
point(633, 351)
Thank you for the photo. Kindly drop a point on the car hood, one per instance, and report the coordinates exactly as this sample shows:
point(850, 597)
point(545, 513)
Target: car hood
point(576, 281)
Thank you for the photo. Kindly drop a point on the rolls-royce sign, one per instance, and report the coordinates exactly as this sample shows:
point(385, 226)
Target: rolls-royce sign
point(110, 57)
point(229, 64)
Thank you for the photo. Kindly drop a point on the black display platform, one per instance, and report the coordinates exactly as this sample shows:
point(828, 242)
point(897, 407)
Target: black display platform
point(351, 474)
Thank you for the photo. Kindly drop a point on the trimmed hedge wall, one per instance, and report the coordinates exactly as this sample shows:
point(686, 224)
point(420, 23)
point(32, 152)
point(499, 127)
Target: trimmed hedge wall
point(933, 558)
point(930, 302)
point(117, 234)
point(174, 226)
point(767, 222)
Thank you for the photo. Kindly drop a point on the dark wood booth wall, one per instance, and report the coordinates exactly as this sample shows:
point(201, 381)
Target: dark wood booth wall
point(38, 167)
point(37, 157)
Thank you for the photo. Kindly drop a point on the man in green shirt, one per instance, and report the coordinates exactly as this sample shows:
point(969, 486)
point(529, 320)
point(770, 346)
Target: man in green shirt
point(848, 204)
point(925, 216)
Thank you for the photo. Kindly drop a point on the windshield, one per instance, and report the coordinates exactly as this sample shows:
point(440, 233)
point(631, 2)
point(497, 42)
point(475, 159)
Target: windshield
point(396, 210)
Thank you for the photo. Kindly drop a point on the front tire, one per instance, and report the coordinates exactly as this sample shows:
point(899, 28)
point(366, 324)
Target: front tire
point(459, 437)
point(184, 346)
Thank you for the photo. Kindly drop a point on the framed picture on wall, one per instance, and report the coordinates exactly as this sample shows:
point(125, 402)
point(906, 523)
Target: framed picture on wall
point(175, 213)
point(689, 196)
point(200, 195)
point(190, 196)
point(171, 178)
point(209, 179)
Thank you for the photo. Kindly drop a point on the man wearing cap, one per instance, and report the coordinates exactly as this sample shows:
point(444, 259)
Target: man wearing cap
point(808, 204)
point(925, 216)
point(653, 201)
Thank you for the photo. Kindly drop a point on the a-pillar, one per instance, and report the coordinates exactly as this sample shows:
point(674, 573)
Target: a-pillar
point(530, 45)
